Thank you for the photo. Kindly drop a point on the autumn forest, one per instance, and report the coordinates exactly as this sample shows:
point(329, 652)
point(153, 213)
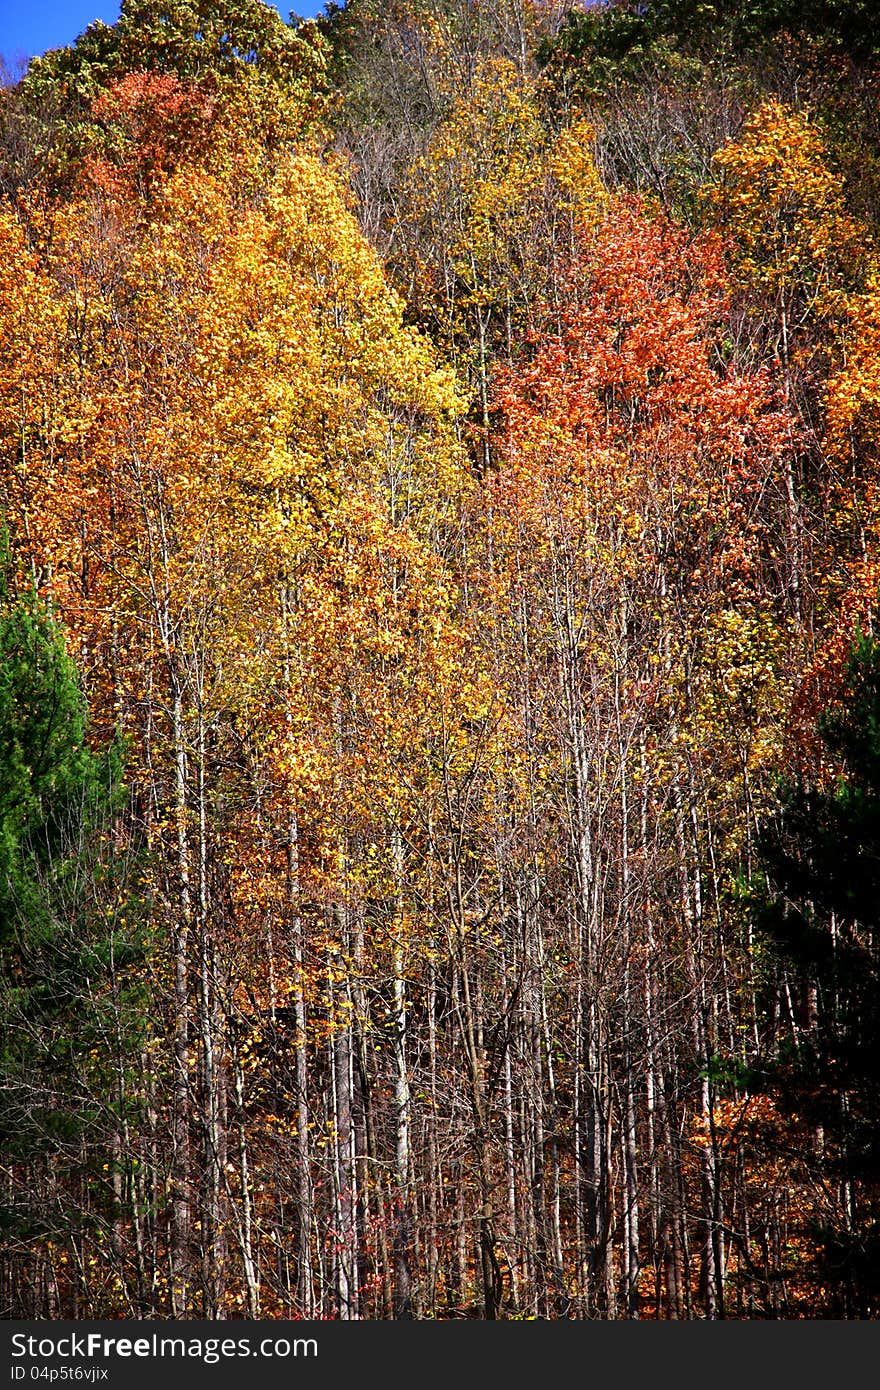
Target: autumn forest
point(440, 664)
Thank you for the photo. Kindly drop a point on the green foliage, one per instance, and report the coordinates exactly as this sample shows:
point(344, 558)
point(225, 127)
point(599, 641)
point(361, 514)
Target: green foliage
point(189, 38)
point(728, 1075)
point(67, 944)
point(825, 847)
point(621, 33)
point(822, 856)
point(49, 775)
point(444, 777)
point(254, 80)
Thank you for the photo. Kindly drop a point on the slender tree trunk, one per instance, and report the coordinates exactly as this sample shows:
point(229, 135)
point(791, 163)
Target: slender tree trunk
point(403, 1306)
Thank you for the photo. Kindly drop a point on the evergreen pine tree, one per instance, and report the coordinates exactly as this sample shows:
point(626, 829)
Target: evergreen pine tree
point(822, 857)
point(68, 999)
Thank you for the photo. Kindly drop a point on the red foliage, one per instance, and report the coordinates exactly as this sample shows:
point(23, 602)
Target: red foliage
point(634, 377)
point(151, 123)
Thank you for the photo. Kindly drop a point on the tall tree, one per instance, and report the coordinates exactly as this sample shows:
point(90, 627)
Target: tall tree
point(231, 80)
point(69, 942)
point(820, 853)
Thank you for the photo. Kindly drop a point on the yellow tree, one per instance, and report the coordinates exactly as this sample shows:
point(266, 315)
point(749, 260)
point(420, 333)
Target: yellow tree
point(782, 202)
point(633, 604)
point(798, 253)
point(211, 79)
point(487, 206)
point(244, 422)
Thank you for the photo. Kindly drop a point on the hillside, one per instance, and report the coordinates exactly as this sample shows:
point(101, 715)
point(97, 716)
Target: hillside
point(439, 671)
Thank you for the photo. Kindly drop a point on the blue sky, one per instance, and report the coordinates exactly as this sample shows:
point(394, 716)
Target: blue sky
point(29, 27)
